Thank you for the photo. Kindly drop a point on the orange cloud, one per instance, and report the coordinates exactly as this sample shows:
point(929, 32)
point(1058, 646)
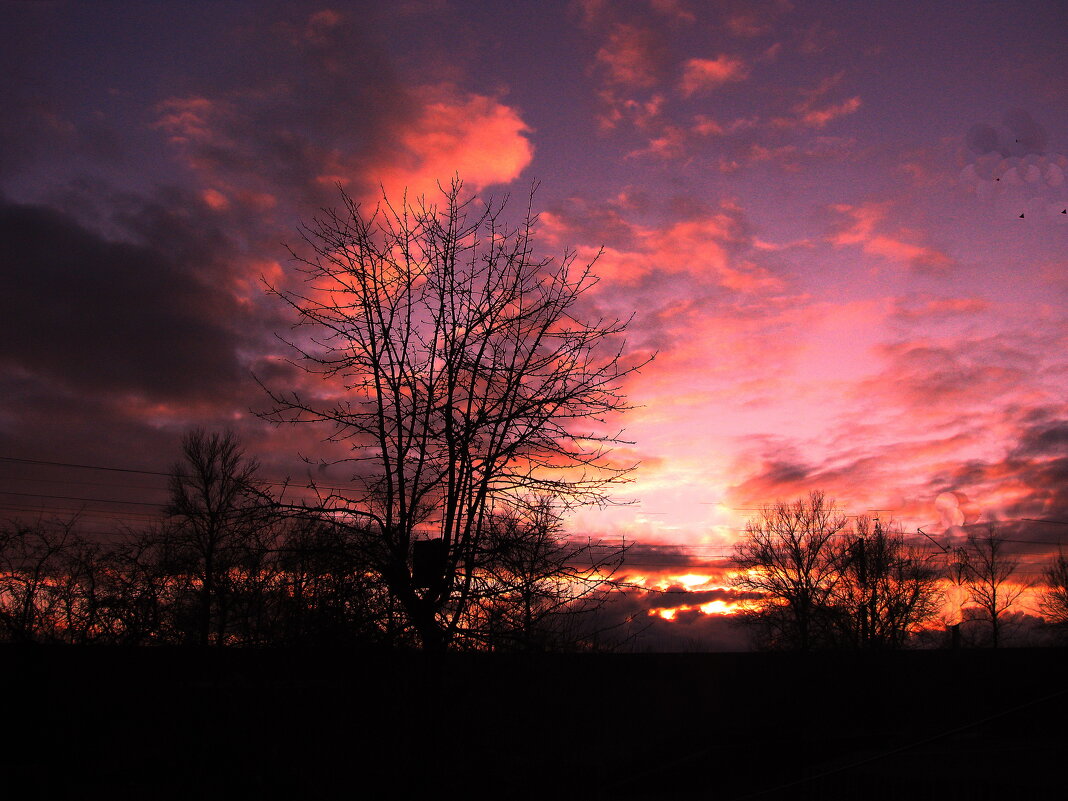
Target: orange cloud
point(704, 74)
point(475, 136)
point(215, 199)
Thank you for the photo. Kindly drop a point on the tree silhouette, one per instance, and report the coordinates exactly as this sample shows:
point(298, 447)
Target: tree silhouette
point(990, 574)
point(1054, 600)
point(214, 517)
point(33, 567)
point(464, 382)
point(825, 586)
point(886, 590)
point(536, 585)
point(140, 588)
point(789, 555)
point(327, 593)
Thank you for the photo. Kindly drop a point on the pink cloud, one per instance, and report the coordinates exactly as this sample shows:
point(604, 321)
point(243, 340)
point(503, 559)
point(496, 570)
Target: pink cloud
point(747, 24)
point(772, 52)
point(872, 439)
point(631, 56)
point(673, 9)
point(616, 108)
point(188, 119)
point(814, 110)
point(706, 126)
point(863, 230)
point(270, 137)
point(591, 11)
point(929, 377)
point(790, 157)
point(319, 26)
point(815, 39)
point(671, 144)
point(704, 74)
point(925, 307)
point(701, 247)
point(819, 117)
point(748, 19)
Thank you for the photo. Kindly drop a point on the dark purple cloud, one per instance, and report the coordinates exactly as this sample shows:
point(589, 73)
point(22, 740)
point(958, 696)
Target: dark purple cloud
point(99, 315)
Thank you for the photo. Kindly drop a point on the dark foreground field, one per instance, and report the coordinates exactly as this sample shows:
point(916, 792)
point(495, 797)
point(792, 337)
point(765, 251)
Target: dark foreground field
point(160, 723)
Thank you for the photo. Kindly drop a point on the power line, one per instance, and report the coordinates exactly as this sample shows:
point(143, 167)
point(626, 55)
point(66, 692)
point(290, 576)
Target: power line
point(83, 466)
point(312, 486)
point(116, 515)
point(71, 498)
point(67, 482)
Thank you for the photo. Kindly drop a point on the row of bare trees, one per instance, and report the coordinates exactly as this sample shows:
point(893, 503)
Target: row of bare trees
point(826, 583)
point(230, 567)
point(248, 576)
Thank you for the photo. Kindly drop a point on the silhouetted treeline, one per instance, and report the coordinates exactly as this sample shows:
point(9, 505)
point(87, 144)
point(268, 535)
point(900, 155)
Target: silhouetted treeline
point(280, 581)
point(231, 566)
point(830, 584)
point(276, 580)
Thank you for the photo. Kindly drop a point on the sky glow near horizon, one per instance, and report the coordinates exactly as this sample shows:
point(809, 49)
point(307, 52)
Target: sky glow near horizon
point(841, 227)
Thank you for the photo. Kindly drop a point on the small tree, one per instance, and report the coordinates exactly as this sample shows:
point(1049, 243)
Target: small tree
point(328, 593)
point(990, 574)
point(141, 587)
point(460, 373)
point(33, 560)
point(956, 592)
point(789, 555)
point(886, 590)
point(536, 585)
point(1054, 602)
point(214, 513)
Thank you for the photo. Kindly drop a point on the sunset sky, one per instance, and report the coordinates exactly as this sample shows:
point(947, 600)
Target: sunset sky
point(840, 226)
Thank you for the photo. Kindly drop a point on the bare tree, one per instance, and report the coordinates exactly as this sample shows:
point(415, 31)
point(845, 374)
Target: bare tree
point(214, 512)
point(790, 556)
point(328, 594)
point(956, 592)
point(79, 588)
point(32, 562)
point(990, 574)
point(142, 588)
point(537, 587)
point(1054, 601)
point(886, 589)
point(465, 380)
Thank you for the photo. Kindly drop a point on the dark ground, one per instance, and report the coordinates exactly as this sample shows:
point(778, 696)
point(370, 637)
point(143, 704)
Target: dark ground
point(167, 723)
